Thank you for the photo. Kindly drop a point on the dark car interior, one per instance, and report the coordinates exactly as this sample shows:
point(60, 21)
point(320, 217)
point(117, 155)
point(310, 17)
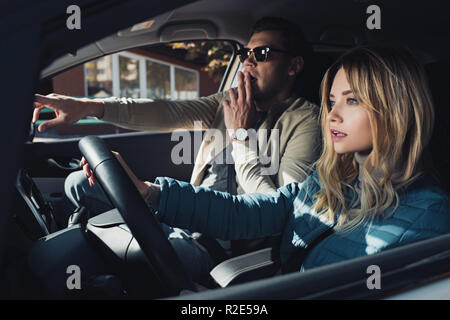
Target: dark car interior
point(123, 253)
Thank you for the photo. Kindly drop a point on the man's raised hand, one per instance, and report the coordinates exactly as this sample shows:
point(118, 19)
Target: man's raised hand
point(240, 111)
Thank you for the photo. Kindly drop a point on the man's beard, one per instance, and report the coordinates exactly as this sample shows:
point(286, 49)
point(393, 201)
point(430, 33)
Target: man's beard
point(265, 94)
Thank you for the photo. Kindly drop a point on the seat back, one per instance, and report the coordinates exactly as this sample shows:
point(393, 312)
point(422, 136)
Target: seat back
point(439, 147)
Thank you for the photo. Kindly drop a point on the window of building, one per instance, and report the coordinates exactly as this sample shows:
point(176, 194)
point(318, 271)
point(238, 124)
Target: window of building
point(98, 76)
point(158, 80)
point(129, 84)
point(186, 84)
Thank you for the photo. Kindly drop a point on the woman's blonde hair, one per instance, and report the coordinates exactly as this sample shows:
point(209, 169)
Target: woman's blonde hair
point(393, 87)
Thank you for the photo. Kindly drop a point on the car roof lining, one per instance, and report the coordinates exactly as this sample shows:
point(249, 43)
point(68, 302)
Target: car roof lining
point(209, 19)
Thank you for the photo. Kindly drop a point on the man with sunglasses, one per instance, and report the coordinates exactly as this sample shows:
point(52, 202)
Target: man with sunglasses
point(265, 100)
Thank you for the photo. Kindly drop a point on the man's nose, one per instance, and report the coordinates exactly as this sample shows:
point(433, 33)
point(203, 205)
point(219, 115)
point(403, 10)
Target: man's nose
point(250, 60)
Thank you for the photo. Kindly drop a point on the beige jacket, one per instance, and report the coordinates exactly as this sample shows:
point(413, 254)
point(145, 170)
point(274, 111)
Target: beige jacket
point(296, 120)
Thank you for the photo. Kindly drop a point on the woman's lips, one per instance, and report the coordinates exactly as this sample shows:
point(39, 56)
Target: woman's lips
point(337, 135)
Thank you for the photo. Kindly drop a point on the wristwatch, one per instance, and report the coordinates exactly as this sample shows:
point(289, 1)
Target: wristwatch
point(240, 134)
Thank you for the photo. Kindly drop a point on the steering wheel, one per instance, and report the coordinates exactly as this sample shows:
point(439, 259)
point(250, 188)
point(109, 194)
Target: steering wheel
point(142, 223)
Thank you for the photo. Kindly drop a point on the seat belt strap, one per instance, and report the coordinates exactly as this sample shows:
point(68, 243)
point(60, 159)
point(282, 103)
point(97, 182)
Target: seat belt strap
point(296, 259)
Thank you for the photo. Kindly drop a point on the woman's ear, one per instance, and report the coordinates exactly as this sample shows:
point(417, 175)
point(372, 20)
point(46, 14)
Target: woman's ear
point(296, 66)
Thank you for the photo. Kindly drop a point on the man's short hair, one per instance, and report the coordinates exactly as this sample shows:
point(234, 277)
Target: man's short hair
point(292, 36)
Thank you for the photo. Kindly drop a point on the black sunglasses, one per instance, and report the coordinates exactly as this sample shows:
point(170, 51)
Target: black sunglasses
point(259, 52)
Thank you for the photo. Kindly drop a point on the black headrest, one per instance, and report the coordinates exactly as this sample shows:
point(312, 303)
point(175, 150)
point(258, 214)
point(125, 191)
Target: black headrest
point(439, 80)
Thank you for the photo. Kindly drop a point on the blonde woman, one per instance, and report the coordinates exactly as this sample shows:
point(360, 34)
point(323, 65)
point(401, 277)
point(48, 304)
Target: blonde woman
point(370, 186)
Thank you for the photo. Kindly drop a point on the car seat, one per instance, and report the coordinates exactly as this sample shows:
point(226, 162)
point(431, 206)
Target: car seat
point(439, 146)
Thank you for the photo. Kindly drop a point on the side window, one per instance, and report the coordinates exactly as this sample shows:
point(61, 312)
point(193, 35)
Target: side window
point(175, 71)
point(234, 83)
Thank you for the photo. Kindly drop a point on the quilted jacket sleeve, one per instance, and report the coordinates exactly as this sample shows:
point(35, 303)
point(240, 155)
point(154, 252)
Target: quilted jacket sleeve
point(433, 221)
point(222, 215)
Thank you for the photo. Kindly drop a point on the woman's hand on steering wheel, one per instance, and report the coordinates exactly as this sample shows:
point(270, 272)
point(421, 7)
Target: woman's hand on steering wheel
point(88, 172)
point(142, 186)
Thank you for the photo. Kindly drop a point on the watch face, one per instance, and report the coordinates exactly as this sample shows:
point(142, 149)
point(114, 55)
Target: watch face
point(241, 134)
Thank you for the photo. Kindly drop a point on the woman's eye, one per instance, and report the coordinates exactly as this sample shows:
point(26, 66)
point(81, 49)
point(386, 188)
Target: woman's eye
point(352, 101)
point(331, 103)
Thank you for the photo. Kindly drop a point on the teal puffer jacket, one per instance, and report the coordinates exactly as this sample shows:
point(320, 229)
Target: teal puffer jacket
point(423, 212)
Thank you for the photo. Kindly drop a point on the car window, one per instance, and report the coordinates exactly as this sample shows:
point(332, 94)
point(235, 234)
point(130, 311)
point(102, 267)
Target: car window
point(174, 71)
point(234, 82)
